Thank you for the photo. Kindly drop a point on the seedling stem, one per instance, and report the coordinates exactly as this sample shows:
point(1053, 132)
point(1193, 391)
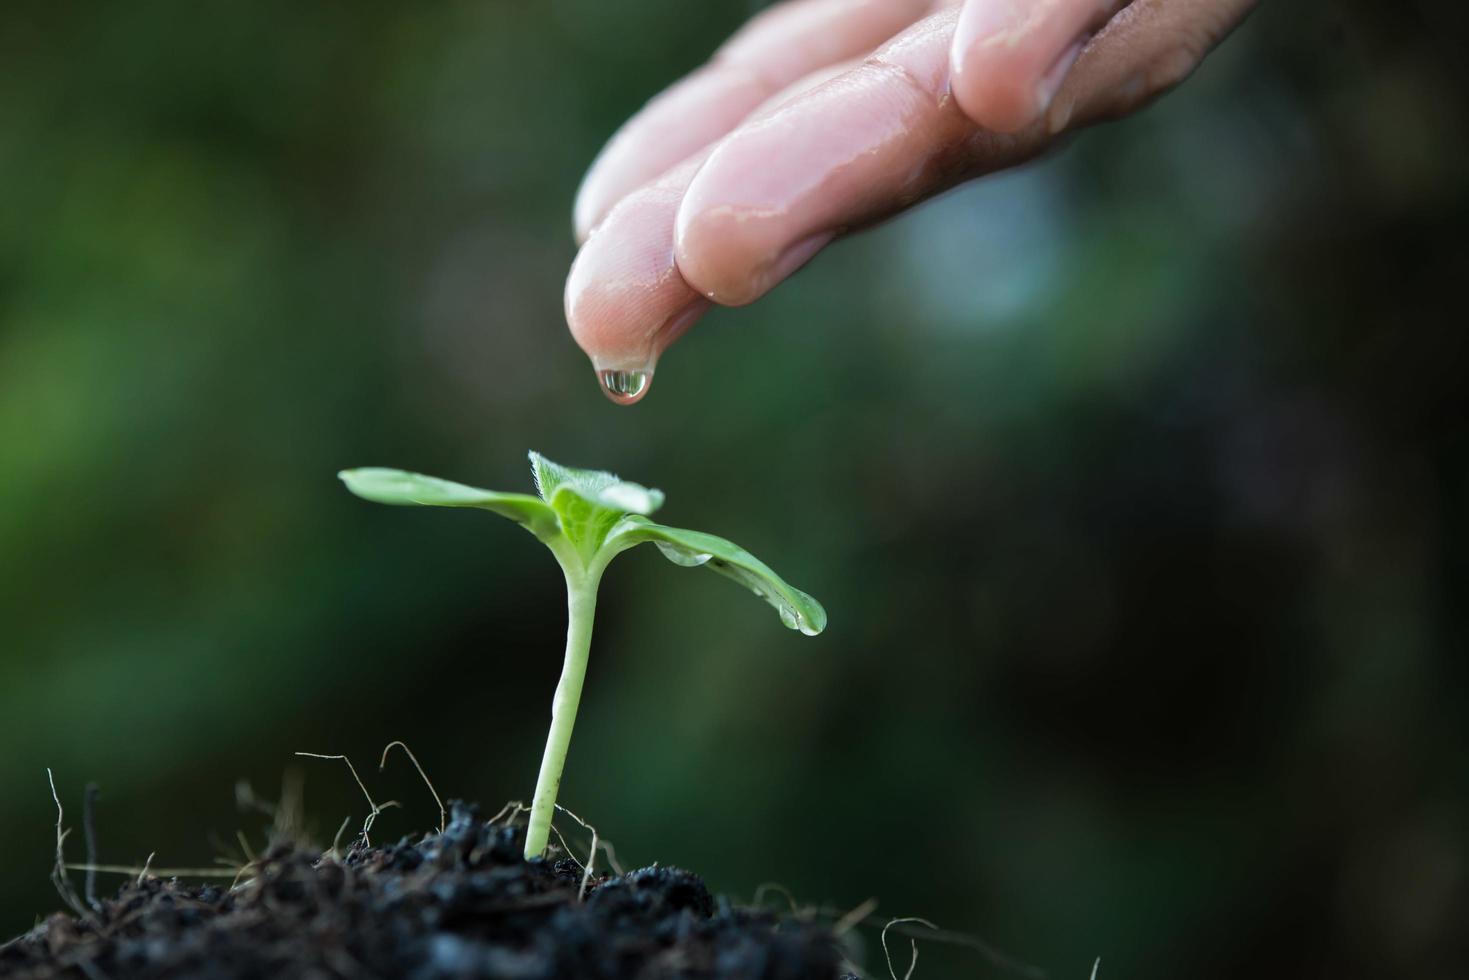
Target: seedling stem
point(581, 608)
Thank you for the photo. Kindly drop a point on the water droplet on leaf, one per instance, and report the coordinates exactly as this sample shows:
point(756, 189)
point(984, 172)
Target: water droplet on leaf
point(790, 618)
point(686, 557)
point(631, 497)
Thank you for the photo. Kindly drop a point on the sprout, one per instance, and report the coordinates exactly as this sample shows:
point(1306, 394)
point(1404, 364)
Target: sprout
point(587, 518)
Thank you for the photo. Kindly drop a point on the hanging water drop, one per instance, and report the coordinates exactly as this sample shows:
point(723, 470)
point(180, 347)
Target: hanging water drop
point(789, 617)
point(624, 387)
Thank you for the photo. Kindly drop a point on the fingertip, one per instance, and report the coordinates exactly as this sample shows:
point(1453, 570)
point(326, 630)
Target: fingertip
point(713, 247)
point(625, 301)
point(625, 381)
point(1007, 61)
point(997, 91)
point(615, 315)
point(734, 261)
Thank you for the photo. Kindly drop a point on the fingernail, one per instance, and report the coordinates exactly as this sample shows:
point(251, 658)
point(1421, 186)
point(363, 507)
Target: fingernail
point(1050, 82)
point(792, 259)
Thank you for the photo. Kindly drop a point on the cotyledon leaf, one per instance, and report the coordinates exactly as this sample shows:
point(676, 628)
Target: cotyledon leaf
point(606, 490)
point(589, 502)
point(388, 486)
point(798, 610)
point(596, 510)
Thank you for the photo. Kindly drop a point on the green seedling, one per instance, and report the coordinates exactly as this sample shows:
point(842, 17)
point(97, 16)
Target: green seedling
point(587, 518)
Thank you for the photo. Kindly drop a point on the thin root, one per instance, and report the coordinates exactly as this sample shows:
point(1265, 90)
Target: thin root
point(246, 799)
point(997, 958)
point(89, 834)
point(337, 838)
point(947, 937)
point(58, 871)
point(241, 874)
point(290, 813)
point(443, 814)
point(287, 818)
point(611, 853)
point(564, 846)
point(146, 865)
point(1095, 967)
point(586, 875)
point(245, 847)
point(376, 809)
point(913, 944)
point(853, 918)
point(133, 870)
point(508, 812)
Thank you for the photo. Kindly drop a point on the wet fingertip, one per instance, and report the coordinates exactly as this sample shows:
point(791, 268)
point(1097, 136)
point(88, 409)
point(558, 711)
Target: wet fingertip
point(733, 255)
point(1000, 106)
point(994, 93)
point(625, 380)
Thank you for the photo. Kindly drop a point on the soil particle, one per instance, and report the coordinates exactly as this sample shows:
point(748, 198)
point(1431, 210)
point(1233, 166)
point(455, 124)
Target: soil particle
point(461, 904)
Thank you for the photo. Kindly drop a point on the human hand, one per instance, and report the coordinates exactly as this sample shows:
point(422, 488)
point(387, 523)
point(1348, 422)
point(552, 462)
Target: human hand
point(820, 117)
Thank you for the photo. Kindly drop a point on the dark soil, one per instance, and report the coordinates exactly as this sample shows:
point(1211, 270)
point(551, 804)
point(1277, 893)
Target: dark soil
point(461, 904)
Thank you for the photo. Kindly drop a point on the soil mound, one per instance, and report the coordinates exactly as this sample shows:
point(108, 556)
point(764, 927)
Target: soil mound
point(461, 904)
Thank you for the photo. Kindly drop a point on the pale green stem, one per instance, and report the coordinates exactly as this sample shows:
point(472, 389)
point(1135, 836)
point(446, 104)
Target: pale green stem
point(581, 596)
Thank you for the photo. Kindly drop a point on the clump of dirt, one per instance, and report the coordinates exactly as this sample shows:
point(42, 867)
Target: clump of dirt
point(461, 904)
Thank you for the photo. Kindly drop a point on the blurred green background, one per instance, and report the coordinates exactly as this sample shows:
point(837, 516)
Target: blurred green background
point(1136, 483)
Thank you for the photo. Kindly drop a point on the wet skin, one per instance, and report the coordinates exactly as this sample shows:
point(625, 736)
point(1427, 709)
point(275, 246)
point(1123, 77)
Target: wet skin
point(820, 117)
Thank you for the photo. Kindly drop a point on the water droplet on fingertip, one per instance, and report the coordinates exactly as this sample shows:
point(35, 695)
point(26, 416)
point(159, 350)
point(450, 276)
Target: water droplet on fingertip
point(625, 387)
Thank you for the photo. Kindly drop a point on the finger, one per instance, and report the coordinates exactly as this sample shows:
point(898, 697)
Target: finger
point(882, 137)
point(625, 299)
point(1142, 52)
point(777, 47)
point(857, 148)
point(1009, 57)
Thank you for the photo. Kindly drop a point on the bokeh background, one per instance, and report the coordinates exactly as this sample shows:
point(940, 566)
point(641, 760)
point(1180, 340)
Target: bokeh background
point(1136, 483)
